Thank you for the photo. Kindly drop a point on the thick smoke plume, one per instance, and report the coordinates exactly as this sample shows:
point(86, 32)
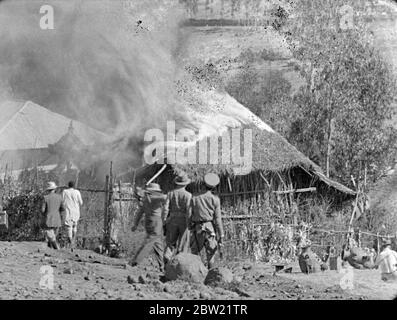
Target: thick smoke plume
point(108, 63)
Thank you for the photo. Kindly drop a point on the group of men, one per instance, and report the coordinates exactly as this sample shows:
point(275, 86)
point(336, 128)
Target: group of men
point(61, 209)
point(187, 221)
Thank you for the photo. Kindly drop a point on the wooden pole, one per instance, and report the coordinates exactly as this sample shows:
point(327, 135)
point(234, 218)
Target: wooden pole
point(330, 129)
point(105, 215)
point(157, 174)
point(77, 178)
point(133, 179)
point(110, 200)
point(120, 204)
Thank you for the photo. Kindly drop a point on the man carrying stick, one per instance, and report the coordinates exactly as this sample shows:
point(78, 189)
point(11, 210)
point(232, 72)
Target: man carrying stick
point(151, 206)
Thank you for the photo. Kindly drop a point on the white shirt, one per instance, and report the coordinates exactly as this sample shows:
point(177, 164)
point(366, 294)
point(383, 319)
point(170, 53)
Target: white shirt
point(72, 201)
point(387, 261)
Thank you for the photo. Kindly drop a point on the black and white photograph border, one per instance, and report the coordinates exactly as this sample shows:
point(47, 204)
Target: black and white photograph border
point(199, 154)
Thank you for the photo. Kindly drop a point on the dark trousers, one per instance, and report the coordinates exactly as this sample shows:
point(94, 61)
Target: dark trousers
point(176, 229)
point(203, 236)
point(153, 243)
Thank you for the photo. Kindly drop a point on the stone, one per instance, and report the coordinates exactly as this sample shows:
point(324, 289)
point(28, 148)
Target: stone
point(167, 288)
point(142, 279)
point(68, 271)
point(205, 296)
point(187, 267)
point(131, 279)
point(219, 276)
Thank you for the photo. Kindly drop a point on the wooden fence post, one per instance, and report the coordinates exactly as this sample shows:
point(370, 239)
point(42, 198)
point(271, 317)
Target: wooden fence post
point(106, 216)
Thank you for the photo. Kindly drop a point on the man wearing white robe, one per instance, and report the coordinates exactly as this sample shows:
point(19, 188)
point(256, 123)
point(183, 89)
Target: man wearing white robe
point(72, 201)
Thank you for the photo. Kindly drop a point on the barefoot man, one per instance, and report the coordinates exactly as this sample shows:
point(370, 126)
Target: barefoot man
point(72, 200)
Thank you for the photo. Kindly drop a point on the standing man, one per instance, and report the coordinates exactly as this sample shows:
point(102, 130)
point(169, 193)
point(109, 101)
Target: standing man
point(152, 204)
point(72, 200)
point(387, 261)
point(177, 211)
point(206, 220)
point(52, 208)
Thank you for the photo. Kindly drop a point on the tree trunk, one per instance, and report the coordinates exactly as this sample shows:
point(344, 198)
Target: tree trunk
point(330, 131)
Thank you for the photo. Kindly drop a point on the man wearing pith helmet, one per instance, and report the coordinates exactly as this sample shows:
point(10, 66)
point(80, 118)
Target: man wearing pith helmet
point(206, 220)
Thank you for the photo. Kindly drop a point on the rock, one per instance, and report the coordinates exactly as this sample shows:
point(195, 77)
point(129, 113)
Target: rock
point(68, 271)
point(142, 279)
point(205, 296)
point(132, 279)
point(87, 278)
point(247, 267)
point(218, 276)
point(242, 293)
point(187, 267)
point(152, 276)
point(167, 288)
point(158, 285)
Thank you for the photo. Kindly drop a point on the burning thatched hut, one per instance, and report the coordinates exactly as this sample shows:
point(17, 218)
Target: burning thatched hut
point(279, 182)
point(273, 165)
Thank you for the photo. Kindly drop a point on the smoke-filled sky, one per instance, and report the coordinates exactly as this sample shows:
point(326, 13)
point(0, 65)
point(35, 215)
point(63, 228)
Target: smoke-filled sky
point(109, 63)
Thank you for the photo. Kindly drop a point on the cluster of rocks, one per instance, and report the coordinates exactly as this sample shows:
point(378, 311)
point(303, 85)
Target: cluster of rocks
point(186, 267)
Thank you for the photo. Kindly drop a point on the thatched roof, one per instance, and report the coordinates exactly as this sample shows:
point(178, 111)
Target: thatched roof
point(215, 114)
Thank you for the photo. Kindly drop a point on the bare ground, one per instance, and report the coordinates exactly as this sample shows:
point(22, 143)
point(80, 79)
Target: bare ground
point(84, 274)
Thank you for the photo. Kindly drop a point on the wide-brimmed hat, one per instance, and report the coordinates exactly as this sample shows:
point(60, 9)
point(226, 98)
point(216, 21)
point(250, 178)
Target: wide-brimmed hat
point(51, 185)
point(182, 180)
point(153, 187)
point(386, 242)
point(211, 180)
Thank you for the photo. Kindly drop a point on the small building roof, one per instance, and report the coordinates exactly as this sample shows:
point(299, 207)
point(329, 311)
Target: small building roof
point(26, 125)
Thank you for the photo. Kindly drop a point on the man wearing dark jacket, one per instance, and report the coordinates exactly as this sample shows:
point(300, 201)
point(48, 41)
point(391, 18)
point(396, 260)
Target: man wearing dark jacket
point(52, 208)
point(152, 206)
point(206, 220)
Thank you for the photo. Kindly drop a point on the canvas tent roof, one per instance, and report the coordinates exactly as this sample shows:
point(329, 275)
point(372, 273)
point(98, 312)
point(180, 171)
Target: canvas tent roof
point(26, 125)
point(215, 113)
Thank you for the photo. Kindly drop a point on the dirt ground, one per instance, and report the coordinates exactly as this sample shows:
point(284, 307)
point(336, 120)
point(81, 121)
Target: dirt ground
point(83, 274)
